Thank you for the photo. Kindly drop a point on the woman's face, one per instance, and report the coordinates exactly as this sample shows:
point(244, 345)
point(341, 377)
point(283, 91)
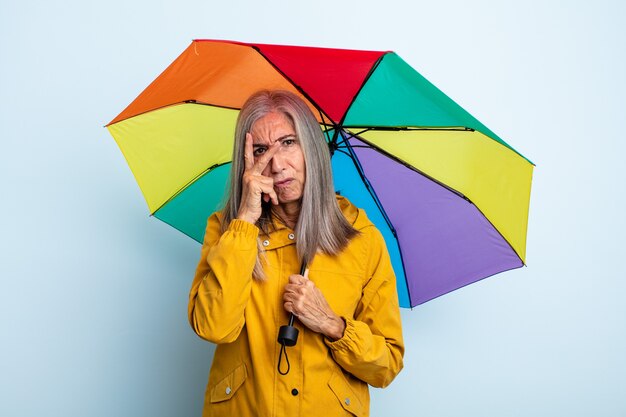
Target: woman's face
point(287, 167)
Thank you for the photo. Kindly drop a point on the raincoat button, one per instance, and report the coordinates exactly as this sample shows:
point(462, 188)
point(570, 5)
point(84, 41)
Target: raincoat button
point(347, 401)
point(294, 392)
point(266, 242)
point(228, 390)
point(291, 236)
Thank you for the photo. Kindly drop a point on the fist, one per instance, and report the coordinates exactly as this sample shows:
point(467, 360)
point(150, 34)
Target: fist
point(305, 301)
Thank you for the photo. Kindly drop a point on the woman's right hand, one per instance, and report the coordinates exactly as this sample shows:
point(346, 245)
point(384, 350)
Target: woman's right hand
point(255, 185)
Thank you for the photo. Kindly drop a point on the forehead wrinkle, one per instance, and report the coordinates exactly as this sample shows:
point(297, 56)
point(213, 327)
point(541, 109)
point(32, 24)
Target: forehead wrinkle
point(271, 123)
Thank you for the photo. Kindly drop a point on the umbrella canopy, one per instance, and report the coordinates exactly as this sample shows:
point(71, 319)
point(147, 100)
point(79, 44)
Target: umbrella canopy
point(449, 195)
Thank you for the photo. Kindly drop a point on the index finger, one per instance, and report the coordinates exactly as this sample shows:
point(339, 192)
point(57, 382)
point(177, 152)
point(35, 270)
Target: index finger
point(296, 279)
point(262, 162)
point(248, 155)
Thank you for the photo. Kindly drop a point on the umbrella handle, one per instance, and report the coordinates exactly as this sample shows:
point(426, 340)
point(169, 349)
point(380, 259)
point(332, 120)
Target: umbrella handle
point(288, 335)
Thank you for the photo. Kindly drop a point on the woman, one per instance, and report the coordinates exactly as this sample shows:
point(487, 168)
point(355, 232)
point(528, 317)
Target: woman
point(282, 212)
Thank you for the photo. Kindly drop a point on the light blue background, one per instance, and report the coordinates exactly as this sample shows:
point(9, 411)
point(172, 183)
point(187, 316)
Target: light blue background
point(94, 292)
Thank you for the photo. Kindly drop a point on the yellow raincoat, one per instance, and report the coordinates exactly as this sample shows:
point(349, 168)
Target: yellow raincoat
point(242, 316)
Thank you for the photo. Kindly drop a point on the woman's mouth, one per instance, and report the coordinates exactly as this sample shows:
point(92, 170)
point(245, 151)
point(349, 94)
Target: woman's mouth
point(283, 183)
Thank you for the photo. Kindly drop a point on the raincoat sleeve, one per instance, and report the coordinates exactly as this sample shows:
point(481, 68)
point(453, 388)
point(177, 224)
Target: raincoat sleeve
point(372, 347)
point(223, 280)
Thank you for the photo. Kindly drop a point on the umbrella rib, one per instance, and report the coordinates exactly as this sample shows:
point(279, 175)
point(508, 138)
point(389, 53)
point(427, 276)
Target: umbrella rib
point(191, 101)
point(406, 164)
point(369, 187)
point(410, 128)
point(342, 141)
point(341, 150)
point(436, 128)
point(326, 128)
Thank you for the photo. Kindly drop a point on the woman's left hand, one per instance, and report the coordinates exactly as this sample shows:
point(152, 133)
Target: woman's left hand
point(305, 301)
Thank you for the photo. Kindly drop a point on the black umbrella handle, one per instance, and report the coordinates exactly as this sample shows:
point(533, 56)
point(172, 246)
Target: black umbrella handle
point(288, 335)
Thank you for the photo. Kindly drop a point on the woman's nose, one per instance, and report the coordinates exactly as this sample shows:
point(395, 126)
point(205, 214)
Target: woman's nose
point(277, 163)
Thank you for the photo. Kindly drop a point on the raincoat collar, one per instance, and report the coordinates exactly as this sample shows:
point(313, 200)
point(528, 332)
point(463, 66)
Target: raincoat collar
point(281, 235)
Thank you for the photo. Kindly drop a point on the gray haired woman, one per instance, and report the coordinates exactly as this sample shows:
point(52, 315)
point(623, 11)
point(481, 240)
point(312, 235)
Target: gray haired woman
point(281, 213)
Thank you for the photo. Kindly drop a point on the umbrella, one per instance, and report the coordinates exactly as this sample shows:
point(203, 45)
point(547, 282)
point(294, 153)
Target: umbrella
point(450, 197)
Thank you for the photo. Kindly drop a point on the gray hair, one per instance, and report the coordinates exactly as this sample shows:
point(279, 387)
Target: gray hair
point(321, 225)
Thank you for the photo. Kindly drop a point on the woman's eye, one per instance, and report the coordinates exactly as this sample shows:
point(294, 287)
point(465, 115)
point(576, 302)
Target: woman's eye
point(289, 142)
point(259, 151)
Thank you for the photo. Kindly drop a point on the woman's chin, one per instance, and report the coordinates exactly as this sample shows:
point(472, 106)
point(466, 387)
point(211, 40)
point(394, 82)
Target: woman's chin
point(288, 198)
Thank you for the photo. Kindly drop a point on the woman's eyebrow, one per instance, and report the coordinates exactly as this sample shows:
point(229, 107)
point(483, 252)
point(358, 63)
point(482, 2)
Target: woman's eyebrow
point(289, 136)
point(279, 139)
